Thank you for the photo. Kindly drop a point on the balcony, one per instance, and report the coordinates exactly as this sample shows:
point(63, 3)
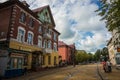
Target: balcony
point(47, 50)
point(47, 36)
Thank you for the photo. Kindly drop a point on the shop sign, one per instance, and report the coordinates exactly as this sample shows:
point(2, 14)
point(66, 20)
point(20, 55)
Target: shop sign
point(118, 49)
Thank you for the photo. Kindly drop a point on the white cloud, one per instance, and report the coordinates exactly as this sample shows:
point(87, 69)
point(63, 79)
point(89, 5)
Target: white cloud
point(1, 1)
point(73, 19)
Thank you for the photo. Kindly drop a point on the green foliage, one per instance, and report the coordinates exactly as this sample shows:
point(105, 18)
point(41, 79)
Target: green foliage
point(110, 12)
point(83, 56)
point(101, 53)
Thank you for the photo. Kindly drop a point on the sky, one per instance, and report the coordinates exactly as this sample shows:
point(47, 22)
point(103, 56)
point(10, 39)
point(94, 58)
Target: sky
point(77, 22)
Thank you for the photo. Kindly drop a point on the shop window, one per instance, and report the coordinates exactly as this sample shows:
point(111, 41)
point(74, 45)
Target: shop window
point(25, 60)
point(19, 63)
point(14, 63)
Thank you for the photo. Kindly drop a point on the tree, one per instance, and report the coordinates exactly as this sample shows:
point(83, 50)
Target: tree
point(110, 12)
point(91, 57)
point(97, 54)
point(105, 54)
point(81, 56)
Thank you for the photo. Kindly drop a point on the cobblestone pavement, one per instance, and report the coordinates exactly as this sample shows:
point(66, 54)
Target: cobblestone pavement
point(114, 75)
point(80, 72)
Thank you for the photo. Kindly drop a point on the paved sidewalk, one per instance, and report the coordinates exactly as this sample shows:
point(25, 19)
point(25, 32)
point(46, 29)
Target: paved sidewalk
point(33, 74)
point(114, 75)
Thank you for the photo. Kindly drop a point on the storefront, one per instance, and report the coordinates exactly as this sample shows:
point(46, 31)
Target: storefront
point(13, 62)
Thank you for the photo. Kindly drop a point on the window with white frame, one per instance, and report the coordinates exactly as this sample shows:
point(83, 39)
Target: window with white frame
point(21, 34)
point(30, 38)
point(49, 44)
point(40, 29)
point(55, 47)
point(40, 41)
point(45, 44)
point(55, 36)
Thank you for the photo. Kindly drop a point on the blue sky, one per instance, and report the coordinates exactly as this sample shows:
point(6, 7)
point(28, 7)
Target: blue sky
point(77, 22)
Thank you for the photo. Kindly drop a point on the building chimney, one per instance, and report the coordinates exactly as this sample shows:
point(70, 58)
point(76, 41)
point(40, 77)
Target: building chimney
point(25, 3)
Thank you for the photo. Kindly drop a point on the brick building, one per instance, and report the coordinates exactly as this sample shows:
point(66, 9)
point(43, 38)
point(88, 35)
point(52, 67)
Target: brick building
point(67, 52)
point(26, 39)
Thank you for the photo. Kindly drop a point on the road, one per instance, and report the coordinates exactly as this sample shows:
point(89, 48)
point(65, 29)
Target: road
point(80, 72)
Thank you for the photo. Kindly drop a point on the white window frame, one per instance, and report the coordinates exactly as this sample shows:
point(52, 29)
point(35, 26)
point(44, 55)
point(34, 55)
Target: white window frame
point(55, 47)
point(32, 37)
point(18, 39)
point(49, 44)
point(39, 37)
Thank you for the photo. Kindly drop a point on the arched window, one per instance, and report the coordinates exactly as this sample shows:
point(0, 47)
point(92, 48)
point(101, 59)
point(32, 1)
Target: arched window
point(21, 34)
point(30, 37)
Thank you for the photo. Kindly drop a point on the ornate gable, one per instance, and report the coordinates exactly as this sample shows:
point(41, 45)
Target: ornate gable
point(45, 16)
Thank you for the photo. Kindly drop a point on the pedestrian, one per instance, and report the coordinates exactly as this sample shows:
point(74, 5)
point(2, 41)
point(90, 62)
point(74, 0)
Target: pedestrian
point(104, 66)
point(109, 66)
point(25, 70)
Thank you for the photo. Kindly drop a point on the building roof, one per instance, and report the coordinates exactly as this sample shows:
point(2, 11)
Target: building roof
point(72, 45)
point(40, 9)
point(61, 43)
point(21, 4)
point(56, 31)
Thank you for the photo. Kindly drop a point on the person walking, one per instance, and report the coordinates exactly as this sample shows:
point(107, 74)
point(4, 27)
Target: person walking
point(104, 66)
point(109, 66)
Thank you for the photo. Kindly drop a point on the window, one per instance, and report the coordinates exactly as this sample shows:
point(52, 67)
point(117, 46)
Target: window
point(25, 60)
point(40, 29)
point(22, 17)
point(55, 47)
point(31, 22)
point(30, 38)
point(21, 33)
point(39, 41)
point(19, 63)
point(14, 63)
point(55, 37)
point(45, 44)
point(49, 59)
point(49, 44)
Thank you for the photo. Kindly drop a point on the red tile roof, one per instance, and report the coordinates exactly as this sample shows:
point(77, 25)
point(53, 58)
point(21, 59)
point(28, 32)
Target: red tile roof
point(61, 43)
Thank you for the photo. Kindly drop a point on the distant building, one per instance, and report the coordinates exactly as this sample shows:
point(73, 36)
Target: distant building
point(67, 52)
point(28, 39)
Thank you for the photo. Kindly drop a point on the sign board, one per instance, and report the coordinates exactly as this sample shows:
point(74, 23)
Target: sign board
point(118, 49)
